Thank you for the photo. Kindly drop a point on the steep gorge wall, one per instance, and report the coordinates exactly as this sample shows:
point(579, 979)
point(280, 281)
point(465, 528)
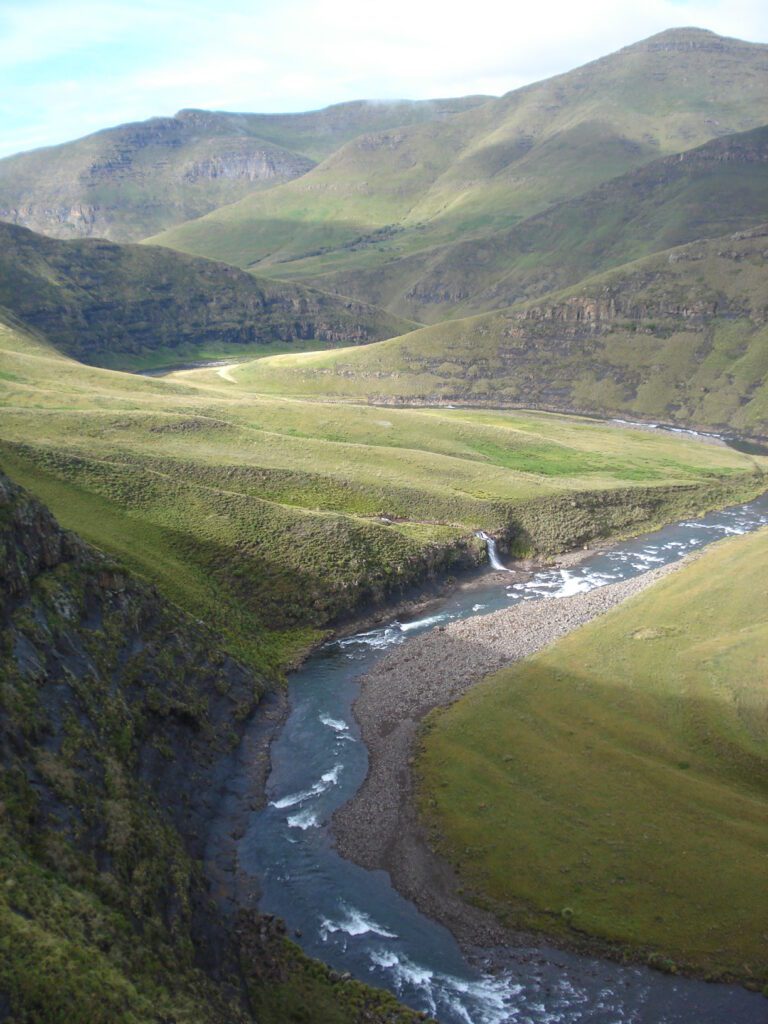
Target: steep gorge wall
point(119, 716)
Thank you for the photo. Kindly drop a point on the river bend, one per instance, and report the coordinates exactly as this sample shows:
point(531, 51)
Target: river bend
point(354, 920)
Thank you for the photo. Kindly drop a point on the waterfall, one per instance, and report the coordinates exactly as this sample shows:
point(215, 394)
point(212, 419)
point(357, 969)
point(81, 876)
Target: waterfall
point(493, 554)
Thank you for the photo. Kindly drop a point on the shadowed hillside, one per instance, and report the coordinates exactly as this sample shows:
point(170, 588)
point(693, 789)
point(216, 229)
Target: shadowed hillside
point(632, 755)
point(118, 715)
point(128, 305)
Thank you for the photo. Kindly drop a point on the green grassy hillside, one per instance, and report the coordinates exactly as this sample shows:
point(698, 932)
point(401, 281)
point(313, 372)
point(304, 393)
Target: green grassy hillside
point(136, 179)
point(718, 188)
point(266, 517)
point(387, 196)
point(679, 337)
point(135, 306)
point(616, 784)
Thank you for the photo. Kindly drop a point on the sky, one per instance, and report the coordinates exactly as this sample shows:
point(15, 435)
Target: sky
point(70, 67)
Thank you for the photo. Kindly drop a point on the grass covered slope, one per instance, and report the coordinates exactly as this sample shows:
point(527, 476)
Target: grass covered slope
point(390, 197)
point(267, 517)
point(134, 306)
point(615, 785)
point(711, 190)
point(678, 336)
point(133, 180)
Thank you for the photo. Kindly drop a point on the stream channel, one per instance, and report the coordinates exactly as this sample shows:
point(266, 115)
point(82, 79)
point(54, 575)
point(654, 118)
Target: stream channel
point(355, 921)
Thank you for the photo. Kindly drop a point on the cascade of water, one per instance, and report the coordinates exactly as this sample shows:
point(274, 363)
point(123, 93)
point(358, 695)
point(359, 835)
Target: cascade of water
point(493, 553)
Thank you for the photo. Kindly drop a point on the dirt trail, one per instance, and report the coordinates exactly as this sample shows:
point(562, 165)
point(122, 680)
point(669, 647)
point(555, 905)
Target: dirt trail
point(225, 374)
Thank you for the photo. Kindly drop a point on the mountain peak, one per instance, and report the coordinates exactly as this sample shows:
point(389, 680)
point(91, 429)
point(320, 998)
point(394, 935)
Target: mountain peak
point(685, 38)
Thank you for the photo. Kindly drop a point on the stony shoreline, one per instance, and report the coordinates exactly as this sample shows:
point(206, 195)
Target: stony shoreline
point(432, 671)
point(242, 787)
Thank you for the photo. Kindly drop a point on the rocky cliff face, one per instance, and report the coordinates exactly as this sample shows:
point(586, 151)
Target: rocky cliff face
point(669, 292)
point(114, 712)
point(119, 716)
point(133, 180)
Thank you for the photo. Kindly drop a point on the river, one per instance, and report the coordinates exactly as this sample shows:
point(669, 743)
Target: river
point(354, 920)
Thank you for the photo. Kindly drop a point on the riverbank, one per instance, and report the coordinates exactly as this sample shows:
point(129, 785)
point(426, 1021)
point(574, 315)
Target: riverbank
point(432, 671)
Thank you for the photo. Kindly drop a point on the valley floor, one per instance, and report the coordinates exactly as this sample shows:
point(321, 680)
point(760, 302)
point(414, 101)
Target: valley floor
point(275, 519)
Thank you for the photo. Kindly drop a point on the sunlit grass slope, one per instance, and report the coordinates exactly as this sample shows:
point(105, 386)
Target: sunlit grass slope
point(678, 336)
point(266, 516)
point(616, 784)
point(718, 188)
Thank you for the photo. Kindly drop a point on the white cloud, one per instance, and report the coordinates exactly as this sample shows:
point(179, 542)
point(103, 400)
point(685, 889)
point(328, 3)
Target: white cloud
point(254, 55)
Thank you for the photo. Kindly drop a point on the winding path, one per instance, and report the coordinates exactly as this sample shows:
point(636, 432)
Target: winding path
point(225, 374)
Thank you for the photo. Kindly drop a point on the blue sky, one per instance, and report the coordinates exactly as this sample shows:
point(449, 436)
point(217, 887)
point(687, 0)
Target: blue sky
point(70, 67)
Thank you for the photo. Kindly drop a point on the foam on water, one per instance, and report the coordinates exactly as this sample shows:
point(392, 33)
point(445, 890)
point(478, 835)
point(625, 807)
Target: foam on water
point(333, 723)
point(430, 620)
point(635, 423)
point(303, 820)
point(375, 638)
point(483, 1000)
point(563, 583)
point(728, 531)
point(575, 584)
point(329, 778)
point(353, 922)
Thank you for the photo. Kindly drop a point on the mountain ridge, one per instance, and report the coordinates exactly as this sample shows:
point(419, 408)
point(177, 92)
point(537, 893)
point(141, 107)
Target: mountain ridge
point(667, 202)
point(133, 179)
point(384, 197)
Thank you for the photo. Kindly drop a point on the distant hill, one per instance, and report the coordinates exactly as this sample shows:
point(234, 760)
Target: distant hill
point(116, 305)
point(714, 189)
point(680, 336)
point(405, 192)
point(136, 179)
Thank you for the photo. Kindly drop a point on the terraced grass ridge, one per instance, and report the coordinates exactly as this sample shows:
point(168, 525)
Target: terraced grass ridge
point(131, 306)
point(713, 189)
point(422, 218)
point(615, 785)
point(677, 337)
point(272, 518)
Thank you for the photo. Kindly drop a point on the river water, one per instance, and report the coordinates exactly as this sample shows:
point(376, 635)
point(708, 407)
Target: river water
point(354, 920)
